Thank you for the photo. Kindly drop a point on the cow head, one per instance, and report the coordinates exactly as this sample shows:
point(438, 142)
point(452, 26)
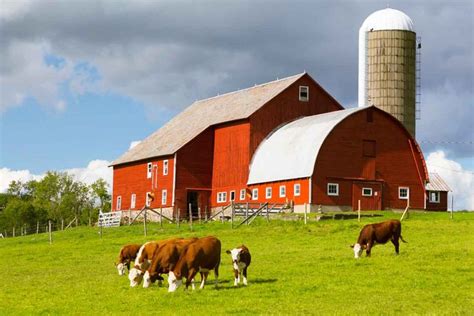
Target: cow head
point(174, 281)
point(235, 254)
point(135, 276)
point(120, 268)
point(357, 250)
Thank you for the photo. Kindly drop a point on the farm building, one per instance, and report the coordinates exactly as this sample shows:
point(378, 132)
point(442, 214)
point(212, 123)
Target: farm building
point(283, 142)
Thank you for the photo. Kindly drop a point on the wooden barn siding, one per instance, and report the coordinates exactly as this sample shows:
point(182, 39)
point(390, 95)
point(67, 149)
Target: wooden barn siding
point(287, 107)
point(341, 156)
point(194, 167)
point(132, 178)
point(231, 159)
point(441, 206)
point(290, 196)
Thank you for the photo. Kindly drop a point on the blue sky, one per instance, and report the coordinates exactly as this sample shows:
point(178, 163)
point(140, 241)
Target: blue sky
point(81, 80)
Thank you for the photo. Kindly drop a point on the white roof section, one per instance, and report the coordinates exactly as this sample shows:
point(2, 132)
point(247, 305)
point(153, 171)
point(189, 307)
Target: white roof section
point(386, 19)
point(290, 152)
point(202, 114)
point(436, 183)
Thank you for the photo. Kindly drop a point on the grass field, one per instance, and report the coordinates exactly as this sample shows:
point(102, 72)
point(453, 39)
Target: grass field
point(296, 269)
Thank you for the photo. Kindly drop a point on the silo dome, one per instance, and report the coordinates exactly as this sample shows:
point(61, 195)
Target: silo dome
point(387, 19)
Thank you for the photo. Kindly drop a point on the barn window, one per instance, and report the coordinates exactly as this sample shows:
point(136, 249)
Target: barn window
point(148, 199)
point(221, 197)
point(165, 167)
point(119, 202)
point(232, 195)
point(304, 93)
point(367, 192)
point(403, 193)
point(133, 200)
point(333, 189)
point(368, 148)
point(164, 196)
point(268, 192)
point(282, 190)
point(434, 197)
point(148, 170)
point(297, 189)
point(242, 194)
point(255, 194)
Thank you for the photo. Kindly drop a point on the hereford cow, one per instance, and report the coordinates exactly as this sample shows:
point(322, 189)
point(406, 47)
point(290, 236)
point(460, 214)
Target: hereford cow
point(127, 254)
point(378, 233)
point(200, 256)
point(164, 259)
point(142, 262)
point(240, 261)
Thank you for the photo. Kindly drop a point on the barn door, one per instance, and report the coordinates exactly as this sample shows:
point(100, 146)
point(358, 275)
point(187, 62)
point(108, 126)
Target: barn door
point(369, 194)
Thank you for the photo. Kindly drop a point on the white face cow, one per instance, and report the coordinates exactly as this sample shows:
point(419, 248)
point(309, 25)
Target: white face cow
point(146, 279)
point(235, 254)
point(135, 276)
point(173, 282)
point(121, 268)
point(357, 251)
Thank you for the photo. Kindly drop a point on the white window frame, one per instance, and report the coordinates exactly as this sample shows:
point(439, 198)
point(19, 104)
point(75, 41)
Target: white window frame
point(282, 191)
point(133, 201)
point(230, 195)
point(268, 192)
point(438, 195)
point(118, 206)
point(255, 194)
point(164, 197)
point(147, 199)
point(149, 170)
point(400, 191)
point(301, 98)
point(336, 185)
point(221, 197)
point(369, 194)
point(297, 189)
point(242, 194)
point(165, 167)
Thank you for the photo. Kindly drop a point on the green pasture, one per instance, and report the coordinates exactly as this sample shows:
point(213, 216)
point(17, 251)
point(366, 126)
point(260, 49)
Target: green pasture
point(296, 269)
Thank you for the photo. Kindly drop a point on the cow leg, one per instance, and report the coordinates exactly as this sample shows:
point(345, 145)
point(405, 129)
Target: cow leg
point(204, 278)
point(395, 242)
point(128, 266)
point(245, 275)
point(216, 275)
point(190, 278)
point(236, 277)
point(369, 248)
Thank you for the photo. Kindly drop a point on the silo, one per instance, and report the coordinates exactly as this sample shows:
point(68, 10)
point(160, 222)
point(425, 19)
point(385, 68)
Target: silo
point(387, 65)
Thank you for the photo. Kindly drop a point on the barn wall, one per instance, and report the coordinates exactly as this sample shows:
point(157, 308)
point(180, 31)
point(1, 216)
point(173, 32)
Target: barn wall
point(194, 167)
point(441, 206)
point(132, 178)
point(290, 196)
point(287, 107)
point(341, 156)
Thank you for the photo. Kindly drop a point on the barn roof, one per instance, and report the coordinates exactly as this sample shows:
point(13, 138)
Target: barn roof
point(290, 152)
point(202, 114)
point(436, 183)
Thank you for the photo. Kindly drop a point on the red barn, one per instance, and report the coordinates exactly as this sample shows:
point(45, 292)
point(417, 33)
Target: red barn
point(286, 141)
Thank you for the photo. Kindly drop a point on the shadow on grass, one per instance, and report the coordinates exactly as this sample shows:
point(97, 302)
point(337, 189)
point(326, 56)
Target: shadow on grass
point(229, 284)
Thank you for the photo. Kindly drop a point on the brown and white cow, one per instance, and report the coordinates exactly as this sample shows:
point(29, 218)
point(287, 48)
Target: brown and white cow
point(164, 259)
point(127, 254)
point(142, 262)
point(240, 261)
point(378, 233)
point(200, 256)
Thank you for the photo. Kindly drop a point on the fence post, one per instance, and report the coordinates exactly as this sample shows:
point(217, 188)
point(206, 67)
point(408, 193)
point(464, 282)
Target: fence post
point(358, 210)
point(144, 222)
point(62, 223)
point(190, 216)
point(199, 215)
point(305, 212)
point(205, 213)
point(50, 234)
point(129, 216)
point(247, 213)
point(13, 231)
point(161, 217)
point(232, 216)
point(452, 205)
point(76, 220)
point(406, 210)
point(222, 215)
point(177, 217)
point(268, 217)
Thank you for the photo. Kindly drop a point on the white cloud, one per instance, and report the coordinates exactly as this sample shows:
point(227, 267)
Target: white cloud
point(134, 143)
point(460, 181)
point(95, 170)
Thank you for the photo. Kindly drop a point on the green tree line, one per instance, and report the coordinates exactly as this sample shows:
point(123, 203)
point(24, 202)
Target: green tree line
point(57, 197)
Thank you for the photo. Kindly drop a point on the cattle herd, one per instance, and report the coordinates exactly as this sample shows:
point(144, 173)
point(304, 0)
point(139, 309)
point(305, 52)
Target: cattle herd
point(185, 257)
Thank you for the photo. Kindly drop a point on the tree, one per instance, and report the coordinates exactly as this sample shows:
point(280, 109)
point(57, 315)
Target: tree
point(100, 190)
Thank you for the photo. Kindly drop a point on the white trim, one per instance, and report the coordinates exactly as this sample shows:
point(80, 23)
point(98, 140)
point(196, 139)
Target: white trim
point(296, 185)
point(149, 170)
point(165, 167)
point(118, 205)
point(255, 194)
point(133, 201)
point(230, 195)
point(368, 194)
point(268, 192)
point(174, 179)
point(332, 193)
point(221, 197)
point(242, 194)
point(164, 197)
point(303, 99)
point(404, 197)
point(282, 193)
point(438, 194)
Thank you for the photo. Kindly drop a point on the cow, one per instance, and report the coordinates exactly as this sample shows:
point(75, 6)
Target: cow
point(240, 261)
point(142, 262)
point(378, 233)
point(127, 254)
point(200, 256)
point(164, 259)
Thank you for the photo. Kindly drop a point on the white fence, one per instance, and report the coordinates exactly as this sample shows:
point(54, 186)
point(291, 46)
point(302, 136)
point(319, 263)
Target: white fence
point(111, 219)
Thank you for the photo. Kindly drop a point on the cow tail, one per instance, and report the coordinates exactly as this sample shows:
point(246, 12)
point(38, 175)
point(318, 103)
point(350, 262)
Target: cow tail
point(403, 239)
